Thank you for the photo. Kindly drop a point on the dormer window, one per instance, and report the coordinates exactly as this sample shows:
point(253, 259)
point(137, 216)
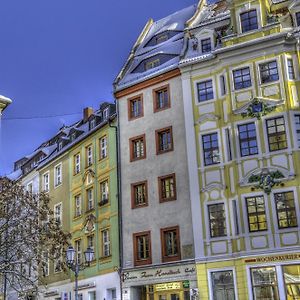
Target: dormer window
point(161, 38)
point(73, 136)
point(206, 45)
point(249, 20)
point(105, 114)
point(152, 64)
point(60, 145)
point(298, 18)
point(92, 123)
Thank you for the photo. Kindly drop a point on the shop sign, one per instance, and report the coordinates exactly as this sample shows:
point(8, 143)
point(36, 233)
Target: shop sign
point(167, 286)
point(266, 259)
point(186, 284)
point(170, 273)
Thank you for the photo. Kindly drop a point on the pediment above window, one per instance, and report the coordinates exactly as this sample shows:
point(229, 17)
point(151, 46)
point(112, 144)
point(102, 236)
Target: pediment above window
point(89, 224)
point(258, 107)
point(88, 176)
point(206, 118)
point(213, 186)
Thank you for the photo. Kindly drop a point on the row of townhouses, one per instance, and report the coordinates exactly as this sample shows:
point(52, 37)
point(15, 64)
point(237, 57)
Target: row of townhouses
point(188, 186)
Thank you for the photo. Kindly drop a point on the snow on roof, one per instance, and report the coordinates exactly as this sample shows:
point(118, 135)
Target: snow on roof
point(15, 175)
point(173, 46)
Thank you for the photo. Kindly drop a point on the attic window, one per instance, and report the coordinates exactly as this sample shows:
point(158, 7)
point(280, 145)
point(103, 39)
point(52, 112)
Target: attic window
point(105, 114)
point(206, 45)
point(60, 145)
point(152, 64)
point(249, 20)
point(298, 18)
point(161, 38)
point(92, 123)
point(73, 136)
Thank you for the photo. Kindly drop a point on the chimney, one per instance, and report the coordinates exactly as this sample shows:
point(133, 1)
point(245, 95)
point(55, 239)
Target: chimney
point(87, 112)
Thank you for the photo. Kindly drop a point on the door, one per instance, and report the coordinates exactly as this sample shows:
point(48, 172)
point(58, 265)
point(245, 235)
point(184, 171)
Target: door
point(169, 296)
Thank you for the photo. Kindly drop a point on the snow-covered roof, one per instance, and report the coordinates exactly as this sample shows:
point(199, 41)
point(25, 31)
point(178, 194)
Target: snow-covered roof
point(15, 175)
point(170, 48)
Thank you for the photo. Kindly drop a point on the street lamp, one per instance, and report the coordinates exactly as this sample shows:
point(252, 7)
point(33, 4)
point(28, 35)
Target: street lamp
point(75, 266)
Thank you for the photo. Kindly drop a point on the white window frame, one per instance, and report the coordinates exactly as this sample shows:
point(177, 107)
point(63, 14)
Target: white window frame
point(105, 242)
point(103, 147)
point(28, 185)
point(294, 129)
point(212, 78)
point(295, 67)
point(77, 161)
point(46, 184)
point(90, 199)
point(78, 207)
point(105, 113)
point(58, 175)
point(265, 61)
point(89, 155)
point(253, 81)
point(104, 193)
point(245, 8)
point(58, 216)
point(78, 250)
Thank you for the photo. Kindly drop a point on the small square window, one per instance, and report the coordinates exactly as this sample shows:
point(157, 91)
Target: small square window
point(161, 98)
point(217, 220)
point(269, 72)
point(242, 78)
point(249, 20)
point(211, 149)
point(205, 91)
point(135, 107)
point(167, 188)
point(170, 241)
point(139, 194)
point(276, 132)
point(137, 147)
point(206, 45)
point(164, 140)
point(291, 71)
point(142, 248)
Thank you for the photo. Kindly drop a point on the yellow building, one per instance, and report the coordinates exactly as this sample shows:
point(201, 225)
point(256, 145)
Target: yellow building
point(241, 89)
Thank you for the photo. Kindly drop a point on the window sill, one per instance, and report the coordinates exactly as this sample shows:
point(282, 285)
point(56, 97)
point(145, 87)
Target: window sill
point(139, 205)
point(164, 151)
point(137, 159)
point(171, 258)
point(167, 200)
point(105, 259)
point(156, 110)
point(77, 217)
point(90, 210)
point(145, 262)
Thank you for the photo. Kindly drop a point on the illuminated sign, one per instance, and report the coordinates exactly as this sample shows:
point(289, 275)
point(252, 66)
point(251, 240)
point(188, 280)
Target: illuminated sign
point(167, 286)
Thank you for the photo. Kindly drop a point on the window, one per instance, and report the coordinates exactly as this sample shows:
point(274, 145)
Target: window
point(298, 18)
point(170, 241)
point(78, 251)
point(142, 248)
point(137, 147)
point(90, 199)
point(105, 243)
point(89, 155)
point(297, 126)
point(139, 195)
point(92, 123)
point(249, 20)
point(161, 38)
point(242, 78)
point(46, 184)
point(91, 241)
point(77, 163)
point(285, 209)
point(167, 188)
point(73, 136)
point(105, 113)
point(103, 147)
point(92, 295)
point(256, 211)
point(217, 220)
point(135, 107)
point(205, 90)
point(77, 200)
point(29, 187)
point(206, 45)
point(58, 213)
point(104, 192)
point(291, 275)
point(211, 149)
point(247, 139)
point(45, 263)
point(290, 66)
point(223, 285)
point(161, 98)
point(164, 140)
point(264, 283)
point(223, 85)
point(60, 145)
point(277, 138)
point(58, 175)
point(58, 264)
point(268, 72)
point(152, 64)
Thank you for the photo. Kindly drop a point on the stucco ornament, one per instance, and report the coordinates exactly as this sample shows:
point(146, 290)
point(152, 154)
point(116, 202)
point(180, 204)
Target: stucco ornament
point(257, 109)
point(89, 223)
point(266, 180)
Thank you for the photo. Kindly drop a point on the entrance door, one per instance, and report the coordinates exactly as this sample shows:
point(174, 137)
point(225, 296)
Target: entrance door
point(169, 296)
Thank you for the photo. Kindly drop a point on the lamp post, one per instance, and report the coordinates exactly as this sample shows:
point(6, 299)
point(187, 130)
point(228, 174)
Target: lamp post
point(75, 266)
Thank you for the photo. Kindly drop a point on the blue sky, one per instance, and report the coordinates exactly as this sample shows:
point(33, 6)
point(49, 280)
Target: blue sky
point(59, 56)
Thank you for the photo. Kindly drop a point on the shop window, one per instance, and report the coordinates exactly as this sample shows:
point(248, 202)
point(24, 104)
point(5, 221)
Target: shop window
point(285, 209)
point(211, 149)
point(137, 147)
point(135, 107)
point(247, 139)
point(264, 283)
point(217, 220)
point(167, 188)
point(291, 275)
point(164, 140)
point(291, 71)
point(161, 98)
point(142, 248)
point(249, 20)
point(139, 195)
point(298, 18)
point(206, 45)
point(205, 90)
point(223, 285)
point(256, 211)
point(269, 72)
point(297, 127)
point(242, 78)
point(276, 132)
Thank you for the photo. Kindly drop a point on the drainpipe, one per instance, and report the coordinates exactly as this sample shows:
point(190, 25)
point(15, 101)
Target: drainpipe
point(119, 196)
